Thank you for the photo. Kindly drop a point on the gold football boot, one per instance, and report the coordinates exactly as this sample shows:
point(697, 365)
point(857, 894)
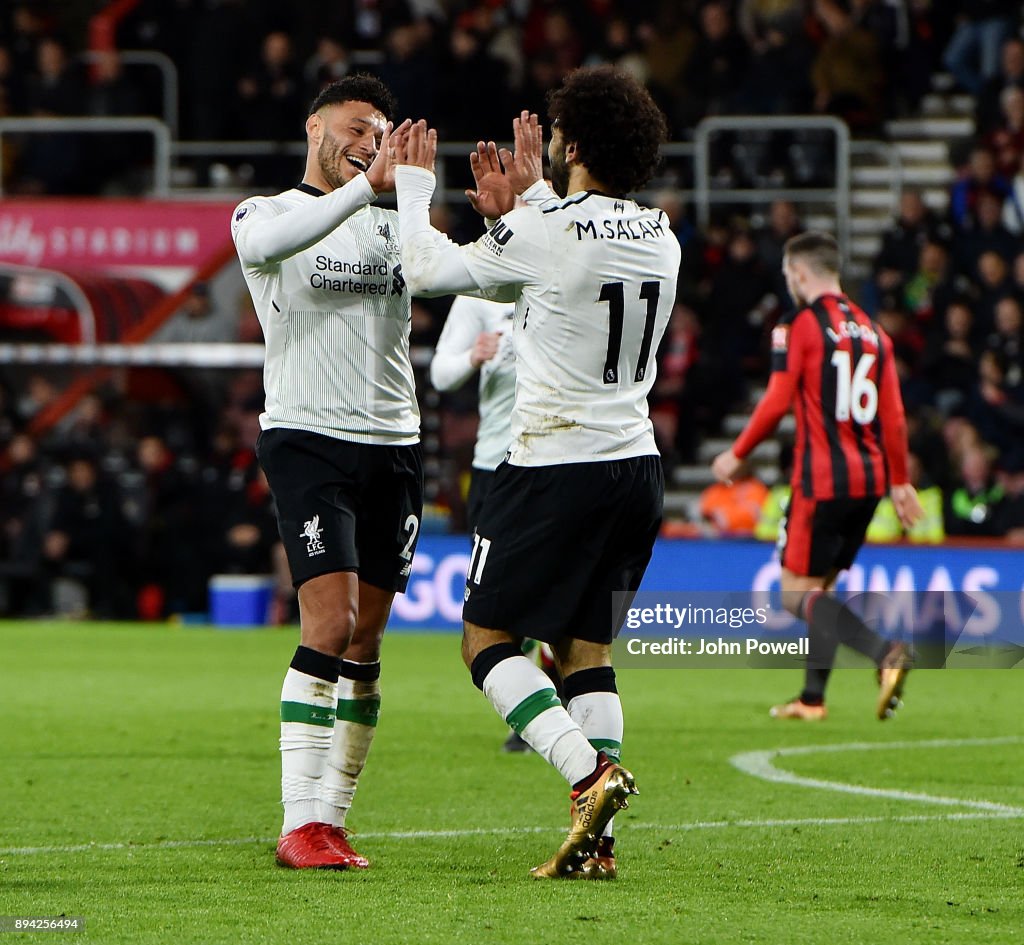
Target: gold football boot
point(591, 810)
point(892, 674)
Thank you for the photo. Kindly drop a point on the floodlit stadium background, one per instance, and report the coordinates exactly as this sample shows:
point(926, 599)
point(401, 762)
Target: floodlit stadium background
point(129, 130)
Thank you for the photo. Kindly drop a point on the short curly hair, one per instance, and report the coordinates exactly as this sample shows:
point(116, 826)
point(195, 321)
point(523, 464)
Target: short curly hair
point(615, 124)
point(358, 87)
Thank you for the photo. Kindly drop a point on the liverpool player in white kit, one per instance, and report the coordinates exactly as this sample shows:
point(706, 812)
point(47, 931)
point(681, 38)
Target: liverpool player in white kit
point(574, 511)
point(339, 445)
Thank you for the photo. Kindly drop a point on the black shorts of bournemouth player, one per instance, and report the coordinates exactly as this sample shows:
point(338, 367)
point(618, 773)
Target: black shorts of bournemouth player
point(339, 445)
point(834, 365)
point(574, 510)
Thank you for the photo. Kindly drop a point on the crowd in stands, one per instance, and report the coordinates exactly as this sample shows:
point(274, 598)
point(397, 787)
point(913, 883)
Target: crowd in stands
point(164, 496)
point(248, 68)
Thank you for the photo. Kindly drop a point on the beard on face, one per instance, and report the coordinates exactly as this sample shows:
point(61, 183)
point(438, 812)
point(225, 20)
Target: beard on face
point(559, 173)
point(333, 162)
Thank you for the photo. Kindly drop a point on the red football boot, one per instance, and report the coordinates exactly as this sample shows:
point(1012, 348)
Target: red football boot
point(310, 847)
point(339, 839)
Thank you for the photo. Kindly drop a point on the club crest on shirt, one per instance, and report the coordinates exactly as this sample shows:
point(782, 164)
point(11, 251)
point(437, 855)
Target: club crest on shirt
point(780, 337)
point(312, 531)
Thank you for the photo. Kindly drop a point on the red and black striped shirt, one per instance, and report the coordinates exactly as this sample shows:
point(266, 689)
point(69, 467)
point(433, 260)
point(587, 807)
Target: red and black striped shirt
point(835, 366)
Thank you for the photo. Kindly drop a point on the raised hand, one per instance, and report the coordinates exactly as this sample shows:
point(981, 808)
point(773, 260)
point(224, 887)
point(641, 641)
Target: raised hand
point(493, 195)
point(381, 172)
point(527, 165)
point(418, 148)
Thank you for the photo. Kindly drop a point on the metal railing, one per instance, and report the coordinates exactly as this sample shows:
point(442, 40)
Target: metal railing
point(152, 126)
point(839, 193)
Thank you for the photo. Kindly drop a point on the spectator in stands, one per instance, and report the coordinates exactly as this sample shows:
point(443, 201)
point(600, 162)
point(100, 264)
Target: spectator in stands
point(410, 70)
point(978, 177)
point(198, 321)
point(1006, 139)
point(847, 74)
point(783, 223)
point(950, 363)
point(996, 409)
point(776, 502)
point(1011, 75)
point(52, 163)
point(12, 85)
point(901, 246)
point(1017, 276)
point(984, 233)
point(329, 63)
point(906, 333)
point(973, 51)
point(993, 283)
point(1010, 514)
point(717, 65)
point(619, 49)
point(1007, 339)
point(88, 540)
point(668, 42)
point(928, 290)
point(733, 508)
point(1013, 205)
point(270, 93)
point(673, 426)
point(929, 529)
point(474, 89)
point(111, 156)
point(23, 513)
point(973, 507)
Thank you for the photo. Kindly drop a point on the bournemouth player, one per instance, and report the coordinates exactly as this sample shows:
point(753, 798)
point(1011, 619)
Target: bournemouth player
point(339, 445)
point(574, 510)
point(835, 366)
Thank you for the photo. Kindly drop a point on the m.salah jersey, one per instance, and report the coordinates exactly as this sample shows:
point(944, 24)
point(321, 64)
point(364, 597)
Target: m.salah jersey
point(594, 279)
point(847, 394)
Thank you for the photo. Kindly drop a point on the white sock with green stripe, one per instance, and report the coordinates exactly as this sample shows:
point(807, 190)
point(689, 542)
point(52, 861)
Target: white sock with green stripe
point(357, 709)
point(308, 699)
point(526, 700)
point(595, 706)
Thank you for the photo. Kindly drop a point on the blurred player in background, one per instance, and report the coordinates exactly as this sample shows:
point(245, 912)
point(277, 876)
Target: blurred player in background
point(835, 366)
point(574, 511)
point(339, 445)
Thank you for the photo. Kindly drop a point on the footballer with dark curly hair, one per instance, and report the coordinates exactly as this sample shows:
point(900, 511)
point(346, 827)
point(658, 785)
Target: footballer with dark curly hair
point(614, 124)
point(567, 530)
point(339, 445)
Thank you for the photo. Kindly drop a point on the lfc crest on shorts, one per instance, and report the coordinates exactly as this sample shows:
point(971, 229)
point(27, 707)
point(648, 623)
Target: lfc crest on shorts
point(312, 531)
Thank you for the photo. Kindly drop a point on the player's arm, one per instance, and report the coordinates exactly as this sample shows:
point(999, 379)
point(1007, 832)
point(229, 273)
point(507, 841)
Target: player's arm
point(264, 238)
point(894, 440)
point(787, 355)
point(431, 263)
point(456, 358)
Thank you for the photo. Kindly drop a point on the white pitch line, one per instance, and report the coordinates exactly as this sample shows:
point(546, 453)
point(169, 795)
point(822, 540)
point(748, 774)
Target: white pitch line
point(1009, 814)
point(759, 765)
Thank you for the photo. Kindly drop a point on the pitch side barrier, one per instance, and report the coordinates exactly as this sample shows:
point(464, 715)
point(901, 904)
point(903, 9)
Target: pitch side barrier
point(968, 594)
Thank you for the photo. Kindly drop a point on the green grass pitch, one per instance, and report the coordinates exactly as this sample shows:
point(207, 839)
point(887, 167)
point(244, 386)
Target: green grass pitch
point(139, 790)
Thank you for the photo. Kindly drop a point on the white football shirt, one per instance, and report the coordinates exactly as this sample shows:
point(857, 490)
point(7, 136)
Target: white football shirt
point(451, 368)
point(325, 276)
point(594, 278)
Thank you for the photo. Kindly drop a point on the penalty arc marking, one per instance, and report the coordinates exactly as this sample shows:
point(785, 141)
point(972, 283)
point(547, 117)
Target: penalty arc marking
point(761, 764)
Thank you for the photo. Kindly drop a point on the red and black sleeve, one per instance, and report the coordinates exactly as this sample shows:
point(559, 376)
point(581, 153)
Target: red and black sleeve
point(892, 417)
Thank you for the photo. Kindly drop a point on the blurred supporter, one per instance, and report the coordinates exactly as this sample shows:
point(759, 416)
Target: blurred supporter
point(776, 502)
point(847, 74)
point(996, 408)
point(929, 529)
point(668, 42)
point(1013, 206)
point(973, 51)
point(993, 283)
point(52, 163)
point(673, 426)
point(199, 321)
point(474, 89)
point(110, 157)
point(783, 223)
point(928, 290)
point(329, 62)
point(901, 245)
point(905, 332)
point(410, 70)
point(950, 363)
point(270, 93)
point(1006, 139)
point(23, 512)
point(1006, 339)
point(1010, 514)
point(973, 507)
point(619, 49)
point(87, 540)
point(978, 177)
point(1010, 76)
point(717, 64)
point(733, 508)
point(984, 233)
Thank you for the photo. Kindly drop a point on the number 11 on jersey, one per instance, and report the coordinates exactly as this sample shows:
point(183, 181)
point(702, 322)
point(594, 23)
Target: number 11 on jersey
point(614, 294)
